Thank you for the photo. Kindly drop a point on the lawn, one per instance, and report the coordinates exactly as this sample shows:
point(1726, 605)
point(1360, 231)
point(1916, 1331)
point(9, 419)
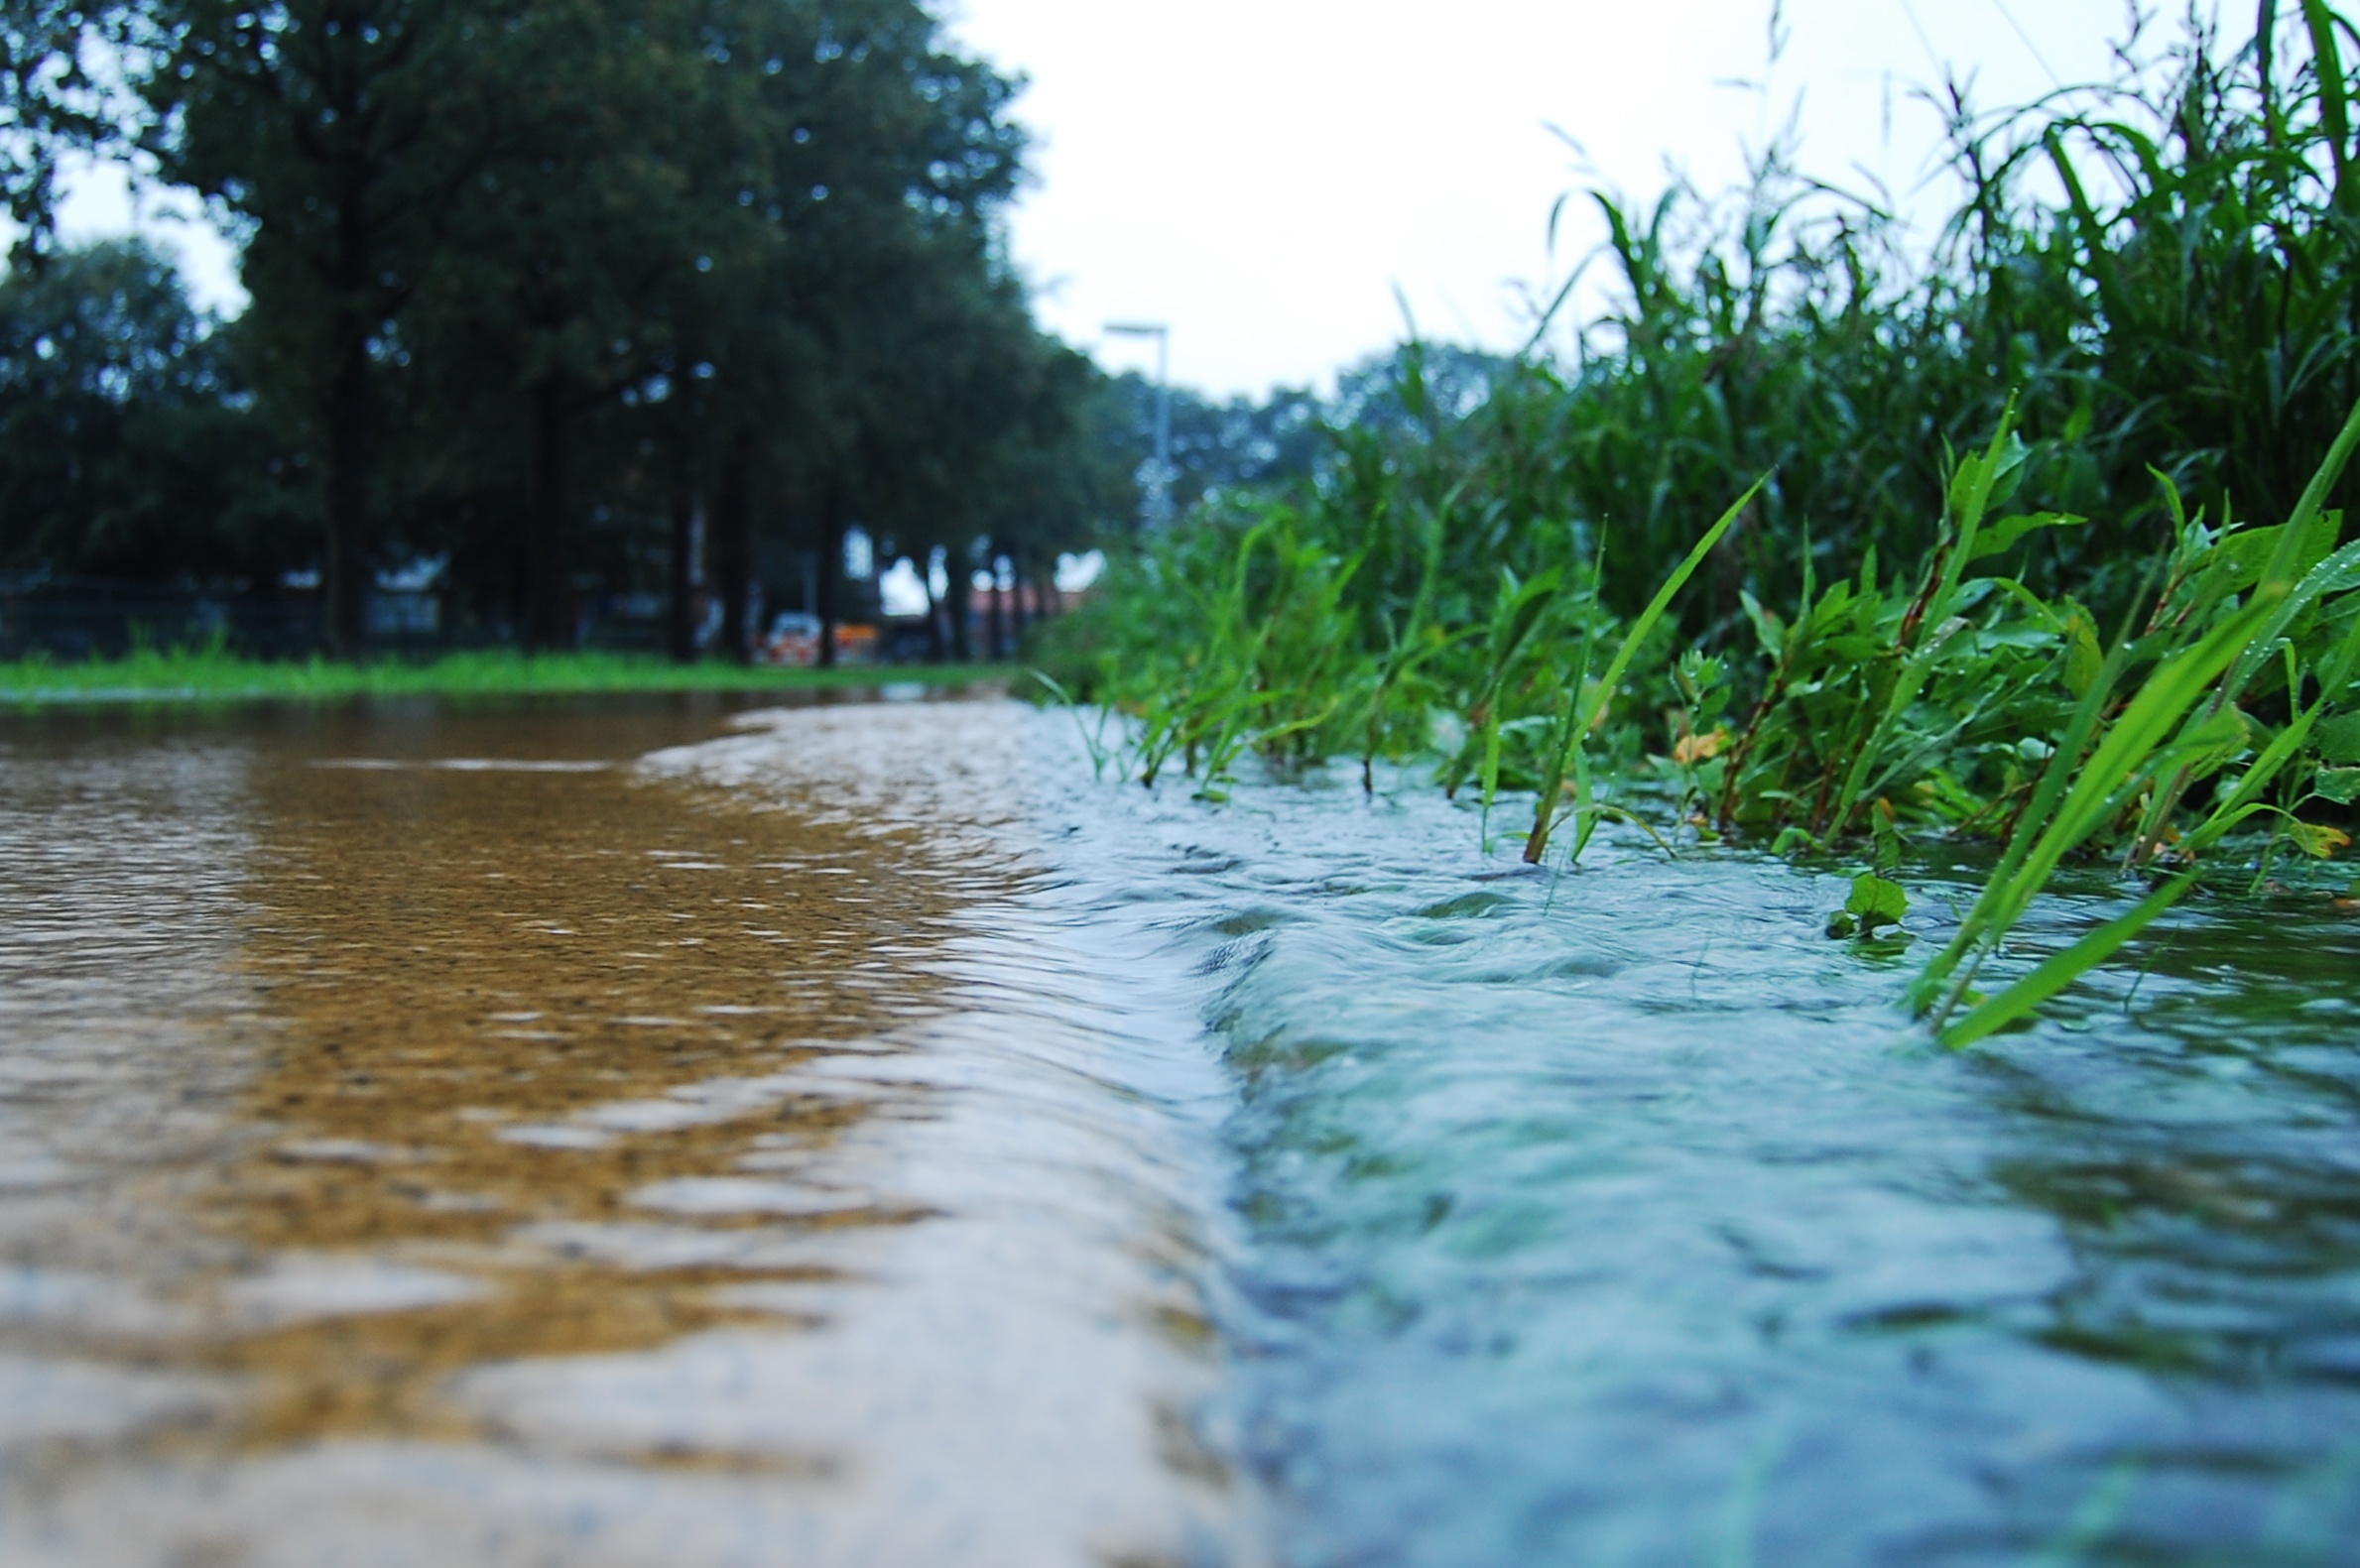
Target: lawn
point(203, 677)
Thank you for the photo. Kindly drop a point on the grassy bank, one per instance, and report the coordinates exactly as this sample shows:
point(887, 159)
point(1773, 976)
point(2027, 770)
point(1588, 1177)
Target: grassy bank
point(2210, 739)
point(202, 675)
point(2041, 543)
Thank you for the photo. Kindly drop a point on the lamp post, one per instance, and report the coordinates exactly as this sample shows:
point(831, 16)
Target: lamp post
point(1160, 511)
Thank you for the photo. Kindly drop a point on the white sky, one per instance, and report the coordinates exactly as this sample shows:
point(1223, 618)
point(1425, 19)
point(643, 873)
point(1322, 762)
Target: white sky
point(1263, 175)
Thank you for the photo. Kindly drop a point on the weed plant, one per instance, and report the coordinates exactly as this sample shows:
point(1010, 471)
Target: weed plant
point(2036, 541)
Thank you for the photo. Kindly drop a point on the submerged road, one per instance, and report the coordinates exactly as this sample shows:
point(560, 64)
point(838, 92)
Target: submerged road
point(652, 1134)
point(441, 1139)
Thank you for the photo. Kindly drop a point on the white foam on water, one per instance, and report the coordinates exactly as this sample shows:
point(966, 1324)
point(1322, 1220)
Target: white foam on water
point(297, 1286)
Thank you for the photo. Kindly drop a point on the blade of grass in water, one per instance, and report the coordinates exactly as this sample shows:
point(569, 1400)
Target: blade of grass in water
point(2145, 740)
point(1972, 487)
point(2127, 754)
point(1578, 720)
point(2061, 969)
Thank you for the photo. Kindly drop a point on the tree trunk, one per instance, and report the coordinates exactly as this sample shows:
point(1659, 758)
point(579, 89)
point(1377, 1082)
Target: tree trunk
point(1016, 582)
point(961, 572)
point(549, 569)
point(681, 625)
point(934, 610)
point(733, 550)
point(832, 567)
point(345, 576)
point(999, 614)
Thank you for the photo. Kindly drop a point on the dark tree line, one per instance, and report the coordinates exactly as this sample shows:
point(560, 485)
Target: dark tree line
point(553, 288)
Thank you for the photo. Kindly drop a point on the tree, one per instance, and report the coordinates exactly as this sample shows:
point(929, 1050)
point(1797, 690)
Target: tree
point(51, 103)
point(538, 284)
point(555, 254)
point(870, 164)
point(129, 445)
point(1215, 446)
point(339, 131)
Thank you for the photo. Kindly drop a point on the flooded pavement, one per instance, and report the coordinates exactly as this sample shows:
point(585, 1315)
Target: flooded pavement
point(636, 1134)
point(435, 1138)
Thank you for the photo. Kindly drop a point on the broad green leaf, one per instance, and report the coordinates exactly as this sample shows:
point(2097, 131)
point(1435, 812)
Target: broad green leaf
point(1996, 471)
point(1767, 626)
point(2337, 574)
point(1876, 901)
point(2239, 560)
point(2213, 739)
point(2004, 533)
point(2339, 784)
point(2083, 659)
point(2338, 739)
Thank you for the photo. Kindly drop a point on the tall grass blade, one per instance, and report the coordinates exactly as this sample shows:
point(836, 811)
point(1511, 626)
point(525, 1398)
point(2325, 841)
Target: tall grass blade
point(2061, 969)
point(1584, 721)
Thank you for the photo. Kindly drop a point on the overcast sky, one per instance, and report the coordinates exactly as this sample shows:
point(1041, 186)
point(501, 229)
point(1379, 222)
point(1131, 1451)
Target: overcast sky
point(1263, 174)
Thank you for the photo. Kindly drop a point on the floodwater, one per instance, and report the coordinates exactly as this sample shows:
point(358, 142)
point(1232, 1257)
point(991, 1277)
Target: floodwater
point(650, 1133)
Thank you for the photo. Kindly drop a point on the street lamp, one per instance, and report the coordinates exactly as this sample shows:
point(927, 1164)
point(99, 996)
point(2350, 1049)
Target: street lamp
point(1162, 509)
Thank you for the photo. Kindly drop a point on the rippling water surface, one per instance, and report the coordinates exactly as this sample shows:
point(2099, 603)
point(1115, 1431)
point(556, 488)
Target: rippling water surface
point(638, 1134)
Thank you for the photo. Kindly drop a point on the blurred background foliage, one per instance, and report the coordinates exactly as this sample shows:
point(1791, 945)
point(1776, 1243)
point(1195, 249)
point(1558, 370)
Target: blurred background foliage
point(570, 296)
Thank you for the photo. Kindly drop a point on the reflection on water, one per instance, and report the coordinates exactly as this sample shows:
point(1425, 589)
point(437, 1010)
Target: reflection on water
point(853, 1136)
point(583, 1161)
point(522, 1005)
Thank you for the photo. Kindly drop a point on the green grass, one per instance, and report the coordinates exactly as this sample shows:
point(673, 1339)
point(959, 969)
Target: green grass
point(205, 675)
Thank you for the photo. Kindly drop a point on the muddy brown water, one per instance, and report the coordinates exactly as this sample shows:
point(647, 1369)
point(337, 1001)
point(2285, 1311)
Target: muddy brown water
point(434, 1135)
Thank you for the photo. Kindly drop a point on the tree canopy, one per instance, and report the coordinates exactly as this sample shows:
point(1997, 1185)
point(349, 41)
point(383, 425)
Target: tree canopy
point(550, 290)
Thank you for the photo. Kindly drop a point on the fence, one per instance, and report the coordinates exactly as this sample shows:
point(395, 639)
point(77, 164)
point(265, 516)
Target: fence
point(75, 618)
point(71, 618)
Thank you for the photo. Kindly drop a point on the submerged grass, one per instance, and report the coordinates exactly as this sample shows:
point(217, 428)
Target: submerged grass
point(2084, 414)
point(212, 675)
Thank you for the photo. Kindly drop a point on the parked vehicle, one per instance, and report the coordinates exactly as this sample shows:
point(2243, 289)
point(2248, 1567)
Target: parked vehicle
point(793, 639)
